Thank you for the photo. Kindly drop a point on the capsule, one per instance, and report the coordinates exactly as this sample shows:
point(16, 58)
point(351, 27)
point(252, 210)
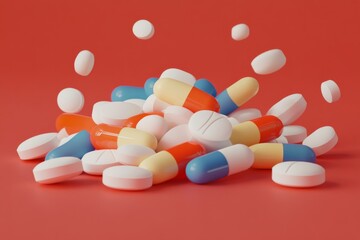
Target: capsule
point(149, 86)
point(237, 94)
point(123, 93)
point(263, 129)
point(74, 123)
point(206, 86)
point(181, 94)
point(268, 155)
point(167, 164)
point(133, 121)
point(104, 136)
point(219, 164)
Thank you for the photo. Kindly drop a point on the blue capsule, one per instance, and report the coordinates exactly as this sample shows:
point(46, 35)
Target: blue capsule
point(123, 93)
point(206, 86)
point(149, 85)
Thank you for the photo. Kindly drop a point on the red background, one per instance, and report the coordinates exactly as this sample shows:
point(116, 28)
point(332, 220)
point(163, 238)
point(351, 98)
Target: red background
point(38, 44)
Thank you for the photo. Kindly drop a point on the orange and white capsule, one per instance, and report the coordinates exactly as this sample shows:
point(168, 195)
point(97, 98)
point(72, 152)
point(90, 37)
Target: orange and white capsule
point(167, 164)
point(258, 130)
point(181, 94)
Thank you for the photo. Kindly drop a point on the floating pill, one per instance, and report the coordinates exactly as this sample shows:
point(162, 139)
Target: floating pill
point(58, 170)
point(74, 123)
point(294, 133)
point(149, 86)
point(240, 32)
point(143, 29)
point(206, 86)
point(322, 140)
point(179, 75)
point(246, 114)
point(330, 91)
point(269, 62)
point(237, 94)
point(269, 154)
point(84, 62)
point(95, 162)
point(167, 164)
point(175, 136)
point(139, 102)
point(114, 113)
point(123, 93)
point(176, 115)
point(70, 100)
point(298, 174)
point(131, 154)
point(258, 130)
point(127, 178)
point(154, 104)
point(37, 146)
point(219, 164)
point(289, 109)
point(75, 147)
point(181, 94)
point(154, 125)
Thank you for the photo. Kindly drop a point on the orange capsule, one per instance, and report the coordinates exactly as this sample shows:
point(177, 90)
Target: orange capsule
point(74, 123)
point(132, 121)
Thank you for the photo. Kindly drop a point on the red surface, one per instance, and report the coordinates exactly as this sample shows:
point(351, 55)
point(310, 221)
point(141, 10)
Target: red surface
point(38, 43)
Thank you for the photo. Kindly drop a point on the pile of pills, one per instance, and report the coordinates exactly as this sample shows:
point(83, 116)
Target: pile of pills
point(177, 126)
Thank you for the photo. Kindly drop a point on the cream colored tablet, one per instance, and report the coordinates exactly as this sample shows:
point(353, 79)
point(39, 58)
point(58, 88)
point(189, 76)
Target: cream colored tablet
point(95, 162)
point(38, 146)
point(322, 140)
point(294, 133)
point(298, 174)
point(330, 91)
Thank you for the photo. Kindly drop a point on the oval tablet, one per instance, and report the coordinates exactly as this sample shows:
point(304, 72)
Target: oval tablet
point(298, 174)
point(84, 62)
point(114, 113)
point(174, 136)
point(330, 91)
point(132, 154)
point(153, 104)
point(143, 29)
point(246, 114)
point(96, 111)
point(176, 115)
point(95, 162)
point(70, 100)
point(289, 109)
point(294, 133)
point(57, 170)
point(37, 146)
point(268, 62)
point(179, 75)
point(322, 140)
point(136, 101)
point(240, 32)
point(127, 178)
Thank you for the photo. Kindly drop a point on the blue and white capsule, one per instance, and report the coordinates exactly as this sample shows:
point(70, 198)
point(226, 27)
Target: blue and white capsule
point(206, 86)
point(268, 155)
point(219, 164)
point(123, 93)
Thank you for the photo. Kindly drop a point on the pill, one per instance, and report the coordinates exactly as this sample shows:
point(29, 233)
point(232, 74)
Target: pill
point(66, 139)
point(209, 125)
point(233, 121)
point(179, 75)
point(298, 174)
point(167, 164)
point(246, 114)
point(143, 29)
point(181, 94)
point(330, 91)
point(149, 85)
point(240, 32)
point(74, 123)
point(95, 162)
point(175, 136)
point(70, 100)
point(237, 94)
point(127, 178)
point(154, 125)
point(280, 139)
point(289, 109)
point(84, 62)
point(219, 164)
point(58, 170)
point(75, 147)
point(123, 93)
point(104, 136)
point(136, 136)
point(268, 62)
point(137, 101)
point(212, 145)
point(96, 111)
point(37, 146)
point(133, 121)
point(269, 154)
point(114, 113)
point(176, 115)
point(261, 129)
point(322, 140)
point(62, 134)
point(294, 133)
point(206, 86)
point(153, 104)
point(131, 154)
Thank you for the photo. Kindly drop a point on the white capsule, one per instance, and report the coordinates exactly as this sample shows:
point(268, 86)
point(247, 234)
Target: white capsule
point(330, 91)
point(240, 32)
point(70, 100)
point(268, 62)
point(322, 140)
point(179, 75)
point(153, 124)
point(246, 114)
point(84, 62)
point(294, 133)
point(143, 29)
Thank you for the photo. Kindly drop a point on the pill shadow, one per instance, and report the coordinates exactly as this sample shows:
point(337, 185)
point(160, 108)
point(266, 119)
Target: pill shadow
point(337, 156)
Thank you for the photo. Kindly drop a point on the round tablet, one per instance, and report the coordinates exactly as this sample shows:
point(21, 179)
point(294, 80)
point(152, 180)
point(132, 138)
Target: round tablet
point(95, 162)
point(176, 115)
point(240, 32)
point(268, 62)
point(153, 104)
point(294, 133)
point(298, 174)
point(57, 170)
point(322, 140)
point(38, 146)
point(330, 91)
point(70, 100)
point(246, 114)
point(127, 178)
point(132, 154)
point(143, 29)
point(114, 113)
point(84, 62)
point(174, 136)
point(289, 109)
point(153, 124)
